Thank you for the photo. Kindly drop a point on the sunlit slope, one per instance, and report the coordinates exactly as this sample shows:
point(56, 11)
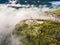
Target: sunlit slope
point(39, 32)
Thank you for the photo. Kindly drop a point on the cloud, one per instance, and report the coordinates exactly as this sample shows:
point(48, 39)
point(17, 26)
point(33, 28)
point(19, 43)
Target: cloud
point(55, 2)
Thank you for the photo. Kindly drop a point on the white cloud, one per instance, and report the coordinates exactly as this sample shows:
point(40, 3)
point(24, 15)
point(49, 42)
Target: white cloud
point(56, 2)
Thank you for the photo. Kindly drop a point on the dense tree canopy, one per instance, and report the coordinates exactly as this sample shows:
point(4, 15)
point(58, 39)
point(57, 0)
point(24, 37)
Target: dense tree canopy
point(46, 33)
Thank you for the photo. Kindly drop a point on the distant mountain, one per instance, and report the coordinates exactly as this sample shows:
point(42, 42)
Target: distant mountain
point(3, 1)
point(29, 1)
point(33, 2)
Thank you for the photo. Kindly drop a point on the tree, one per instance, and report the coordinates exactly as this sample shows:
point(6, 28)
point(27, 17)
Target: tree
point(47, 33)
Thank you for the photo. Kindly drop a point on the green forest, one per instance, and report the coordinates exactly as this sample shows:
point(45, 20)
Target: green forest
point(46, 33)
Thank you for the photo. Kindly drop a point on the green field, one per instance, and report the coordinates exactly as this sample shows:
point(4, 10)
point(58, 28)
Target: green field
point(55, 11)
point(46, 33)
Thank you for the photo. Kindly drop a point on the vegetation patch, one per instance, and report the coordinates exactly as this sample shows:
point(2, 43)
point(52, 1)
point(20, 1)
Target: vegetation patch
point(55, 11)
point(46, 33)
